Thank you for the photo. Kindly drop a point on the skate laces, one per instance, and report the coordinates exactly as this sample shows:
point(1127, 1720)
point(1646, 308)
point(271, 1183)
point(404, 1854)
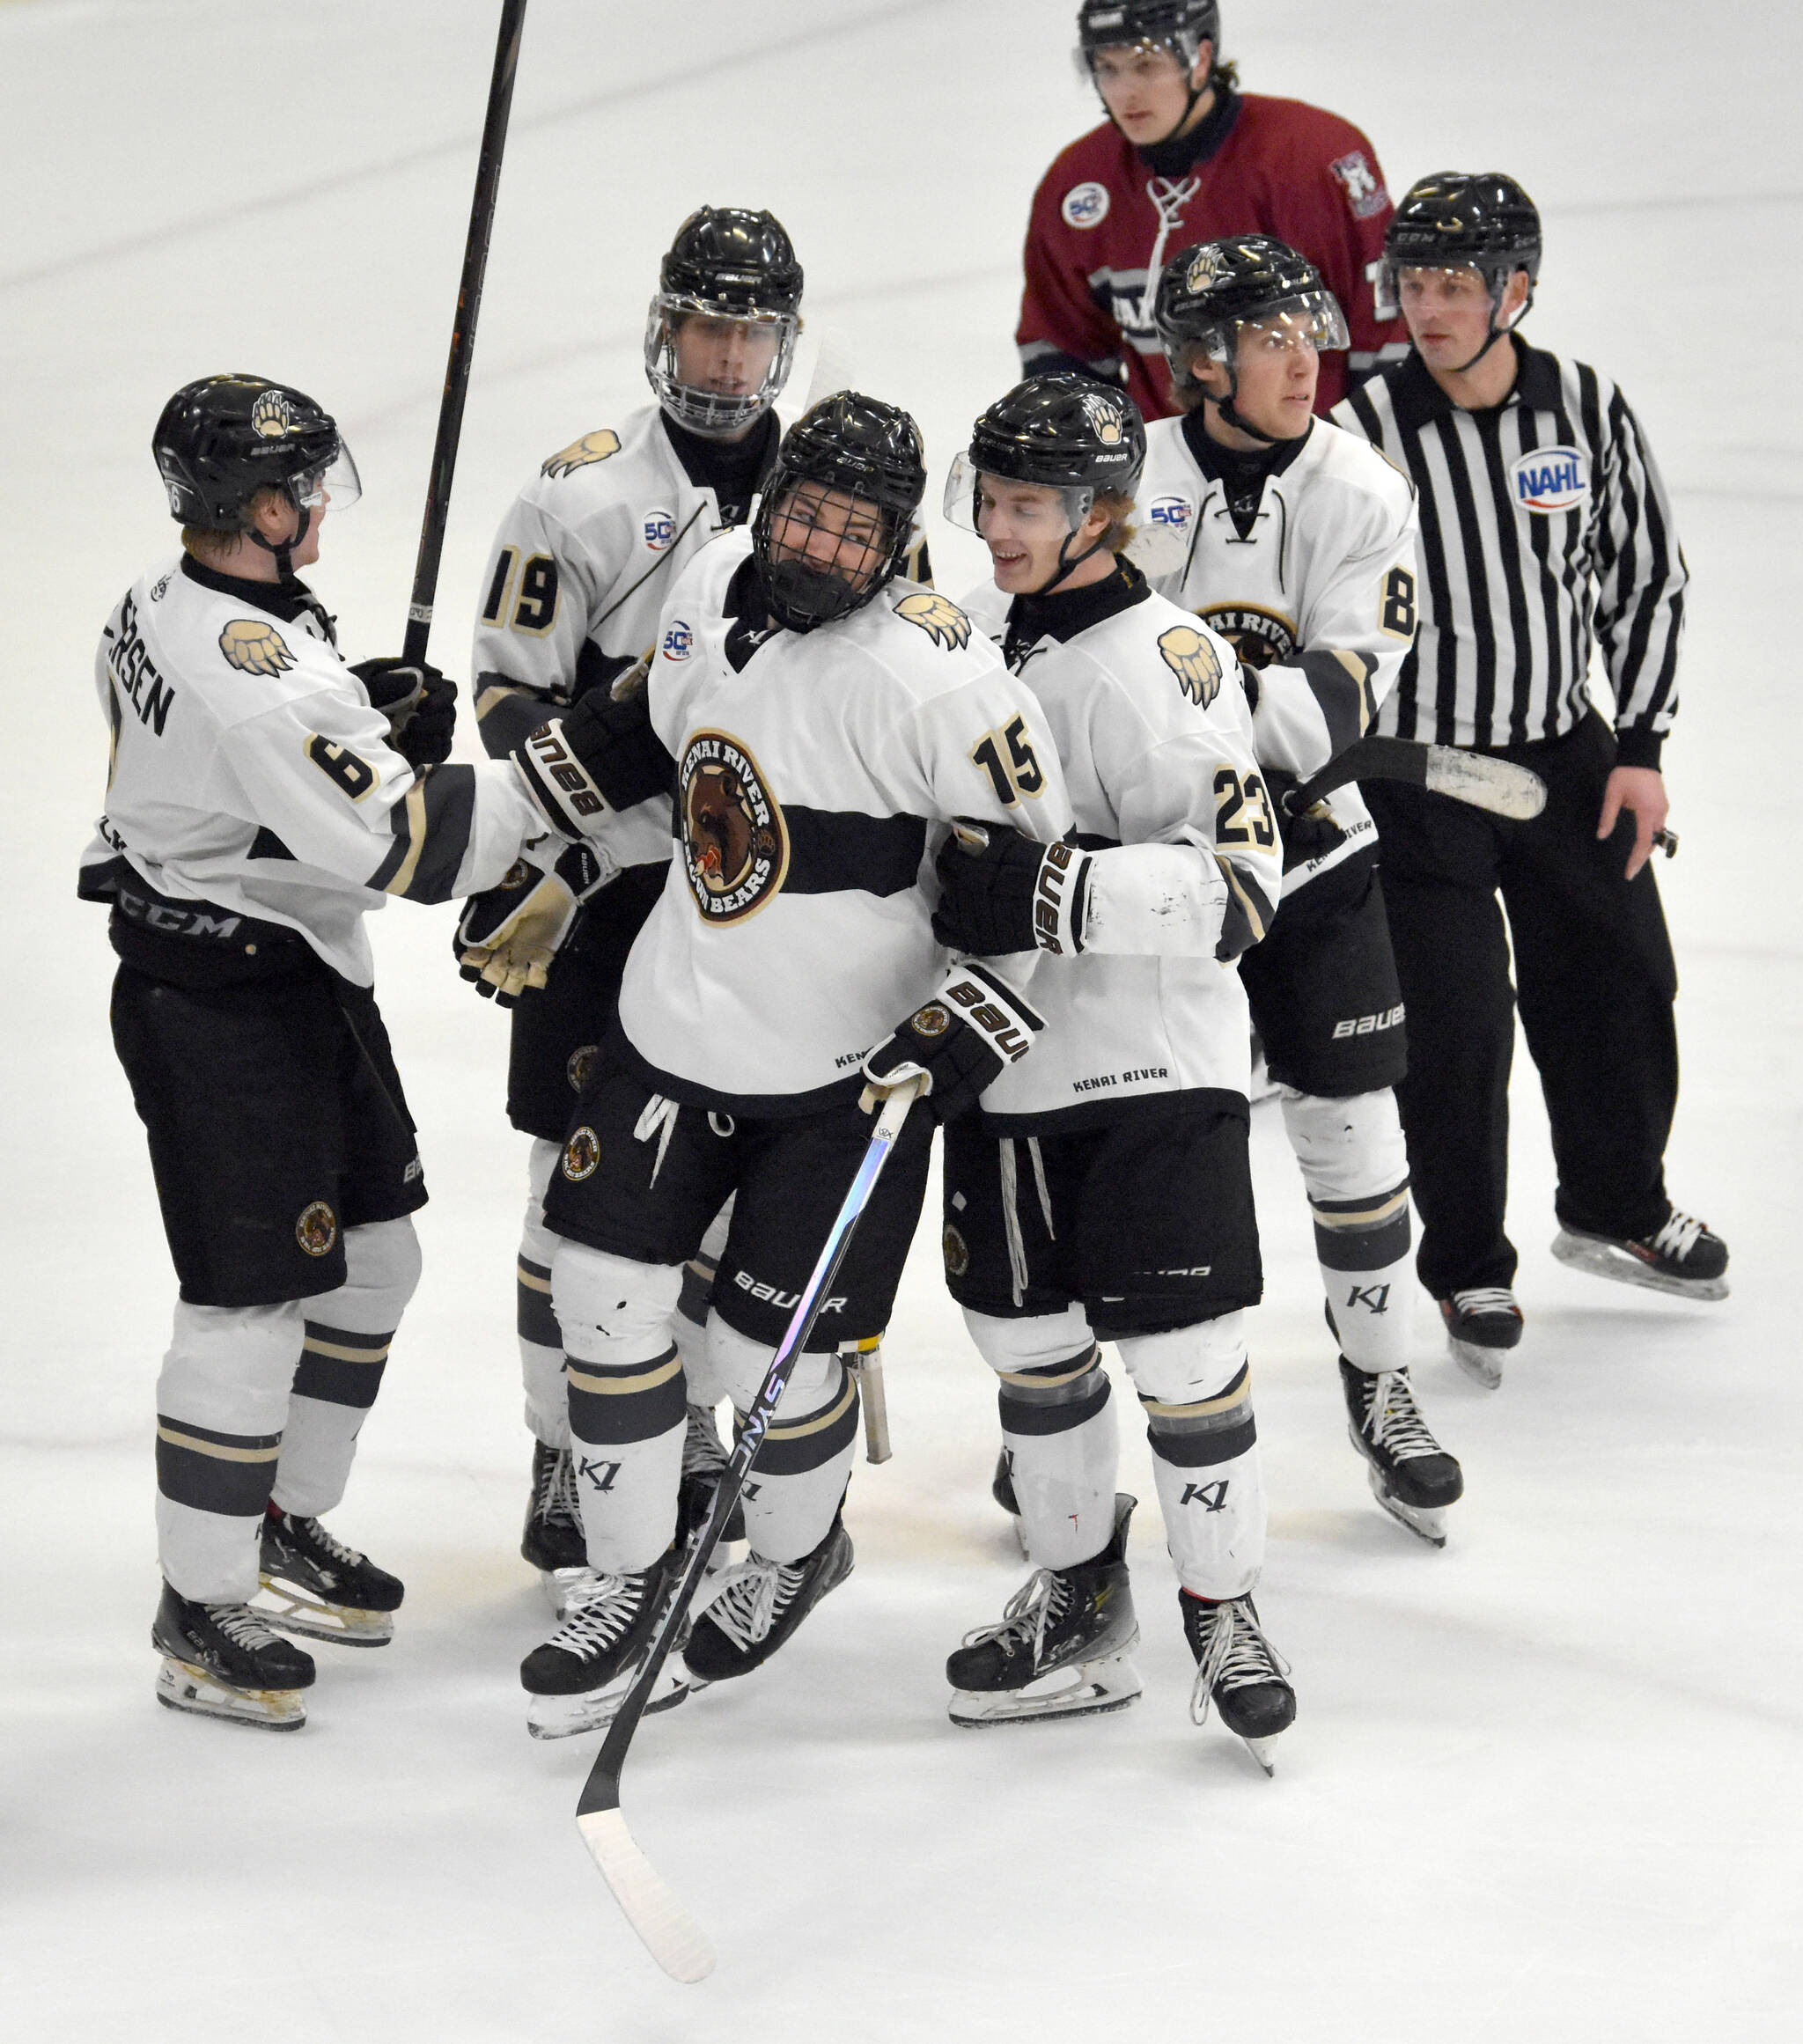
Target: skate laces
point(1486, 1298)
point(702, 1453)
point(1236, 1654)
point(1040, 1601)
point(562, 1503)
point(752, 1595)
point(312, 1532)
point(1393, 1420)
point(241, 1625)
point(601, 1610)
point(1678, 1237)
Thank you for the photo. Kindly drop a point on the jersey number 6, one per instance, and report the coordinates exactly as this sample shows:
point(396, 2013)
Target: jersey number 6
point(1242, 810)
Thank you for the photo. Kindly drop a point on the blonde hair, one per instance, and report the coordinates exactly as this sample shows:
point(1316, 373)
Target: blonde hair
point(1119, 506)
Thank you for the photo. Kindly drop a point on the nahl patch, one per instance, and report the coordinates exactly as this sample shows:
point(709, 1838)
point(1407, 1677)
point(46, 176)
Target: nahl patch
point(1549, 479)
point(255, 648)
point(1194, 661)
point(1368, 1025)
point(938, 616)
point(580, 453)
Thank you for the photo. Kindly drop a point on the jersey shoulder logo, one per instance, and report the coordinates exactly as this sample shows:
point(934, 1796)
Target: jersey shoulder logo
point(580, 453)
point(1259, 636)
point(735, 843)
point(1547, 480)
point(659, 529)
point(1363, 189)
point(1086, 205)
point(1173, 512)
point(1194, 661)
point(938, 616)
point(255, 648)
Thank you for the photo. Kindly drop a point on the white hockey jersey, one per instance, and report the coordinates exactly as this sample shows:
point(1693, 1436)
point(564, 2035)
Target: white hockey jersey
point(250, 772)
point(1148, 718)
point(581, 568)
point(814, 784)
point(1318, 594)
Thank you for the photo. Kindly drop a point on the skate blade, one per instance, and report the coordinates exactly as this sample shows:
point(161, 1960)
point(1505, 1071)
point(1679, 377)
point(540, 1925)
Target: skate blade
point(1262, 1751)
point(594, 1709)
point(293, 1611)
point(1483, 1366)
point(1426, 1523)
point(1098, 1687)
point(181, 1686)
point(1604, 1259)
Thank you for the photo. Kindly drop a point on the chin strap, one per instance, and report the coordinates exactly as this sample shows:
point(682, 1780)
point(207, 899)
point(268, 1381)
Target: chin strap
point(1067, 567)
point(283, 550)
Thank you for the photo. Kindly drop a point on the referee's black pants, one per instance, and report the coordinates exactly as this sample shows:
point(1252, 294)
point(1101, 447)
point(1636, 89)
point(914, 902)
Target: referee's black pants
point(1596, 979)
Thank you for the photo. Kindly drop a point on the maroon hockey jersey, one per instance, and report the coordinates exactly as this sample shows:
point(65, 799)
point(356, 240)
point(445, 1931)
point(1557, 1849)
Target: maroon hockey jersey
point(1104, 222)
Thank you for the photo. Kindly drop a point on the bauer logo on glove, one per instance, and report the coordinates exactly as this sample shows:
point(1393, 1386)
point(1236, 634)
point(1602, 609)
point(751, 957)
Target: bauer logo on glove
point(974, 1025)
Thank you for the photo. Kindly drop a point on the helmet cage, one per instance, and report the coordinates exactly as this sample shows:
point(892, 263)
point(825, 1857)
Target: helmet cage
point(713, 415)
point(803, 591)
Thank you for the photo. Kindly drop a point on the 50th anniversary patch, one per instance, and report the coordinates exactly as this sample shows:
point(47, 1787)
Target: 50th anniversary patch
point(735, 845)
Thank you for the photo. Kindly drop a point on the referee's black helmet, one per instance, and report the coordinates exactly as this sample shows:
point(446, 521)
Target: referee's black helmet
point(1482, 220)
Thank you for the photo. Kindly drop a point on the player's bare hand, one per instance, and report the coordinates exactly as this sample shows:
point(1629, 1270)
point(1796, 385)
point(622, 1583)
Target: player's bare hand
point(1642, 792)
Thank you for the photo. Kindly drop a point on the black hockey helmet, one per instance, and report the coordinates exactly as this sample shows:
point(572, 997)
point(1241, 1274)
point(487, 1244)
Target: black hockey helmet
point(222, 439)
point(1208, 291)
point(725, 263)
point(1181, 27)
point(1480, 220)
point(870, 452)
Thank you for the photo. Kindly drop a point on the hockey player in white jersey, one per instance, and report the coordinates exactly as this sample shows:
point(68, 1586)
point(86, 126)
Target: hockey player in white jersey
point(1284, 533)
point(582, 565)
point(1104, 1191)
point(263, 798)
point(824, 719)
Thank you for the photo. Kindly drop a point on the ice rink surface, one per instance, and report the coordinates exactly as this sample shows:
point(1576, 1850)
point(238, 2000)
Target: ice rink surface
point(1543, 1785)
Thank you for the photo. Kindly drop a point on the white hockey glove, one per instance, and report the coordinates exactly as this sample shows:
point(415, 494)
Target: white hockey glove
point(974, 1026)
point(507, 937)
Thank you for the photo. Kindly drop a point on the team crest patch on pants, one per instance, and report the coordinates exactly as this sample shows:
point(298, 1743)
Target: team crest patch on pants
point(317, 1229)
point(957, 1254)
point(581, 1154)
point(581, 1067)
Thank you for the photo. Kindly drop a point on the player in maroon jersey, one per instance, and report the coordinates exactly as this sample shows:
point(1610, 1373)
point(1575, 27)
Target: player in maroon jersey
point(1185, 156)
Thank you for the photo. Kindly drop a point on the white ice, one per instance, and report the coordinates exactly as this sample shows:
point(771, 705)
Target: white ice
point(1543, 1785)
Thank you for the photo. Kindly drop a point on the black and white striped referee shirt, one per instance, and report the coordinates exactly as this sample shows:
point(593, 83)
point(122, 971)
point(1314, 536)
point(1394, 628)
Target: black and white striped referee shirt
point(1544, 524)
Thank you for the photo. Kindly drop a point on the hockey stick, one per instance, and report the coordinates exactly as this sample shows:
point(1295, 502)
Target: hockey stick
point(670, 1935)
point(469, 299)
point(1499, 785)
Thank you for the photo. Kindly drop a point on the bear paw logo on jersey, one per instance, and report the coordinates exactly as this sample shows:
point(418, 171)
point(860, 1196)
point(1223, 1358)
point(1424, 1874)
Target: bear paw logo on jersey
point(579, 453)
point(1549, 479)
point(581, 1155)
point(938, 616)
point(1204, 267)
point(255, 648)
point(581, 1067)
point(659, 530)
point(1195, 663)
point(317, 1229)
point(1260, 637)
point(271, 415)
point(678, 641)
point(1086, 205)
point(735, 844)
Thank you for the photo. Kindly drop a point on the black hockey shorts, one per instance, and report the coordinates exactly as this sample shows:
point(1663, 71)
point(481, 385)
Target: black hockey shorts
point(1148, 1223)
point(275, 1120)
point(651, 1196)
point(559, 1027)
point(1326, 1001)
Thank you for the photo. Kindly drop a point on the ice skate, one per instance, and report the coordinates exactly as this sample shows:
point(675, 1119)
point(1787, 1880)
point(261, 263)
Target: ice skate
point(1238, 1670)
point(759, 1604)
point(314, 1585)
point(552, 1539)
point(221, 1660)
point(579, 1677)
point(1061, 1646)
point(1411, 1475)
point(1482, 1323)
point(1002, 1490)
point(703, 1462)
point(1683, 1257)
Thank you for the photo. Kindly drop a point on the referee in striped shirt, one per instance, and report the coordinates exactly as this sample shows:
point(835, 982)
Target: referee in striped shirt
point(1545, 531)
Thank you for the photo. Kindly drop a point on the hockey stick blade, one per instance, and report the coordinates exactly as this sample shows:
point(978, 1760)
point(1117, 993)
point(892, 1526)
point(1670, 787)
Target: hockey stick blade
point(1475, 778)
point(669, 1933)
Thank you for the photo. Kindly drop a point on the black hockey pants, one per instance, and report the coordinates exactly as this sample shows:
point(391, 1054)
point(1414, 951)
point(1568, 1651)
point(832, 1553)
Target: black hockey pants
point(1596, 978)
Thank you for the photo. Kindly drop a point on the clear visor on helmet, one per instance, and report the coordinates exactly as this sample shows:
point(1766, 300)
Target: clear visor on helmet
point(1059, 508)
point(1450, 285)
point(334, 488)
point(1145, 58)
point(716, 371)
point(1312, 321)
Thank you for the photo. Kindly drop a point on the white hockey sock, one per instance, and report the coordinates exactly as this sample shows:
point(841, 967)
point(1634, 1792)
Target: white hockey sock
point(626, 1397)
point(221, 1401)
point(804, 1464)
point(342, 1361)
point(1357, 1171)
point(541, 1339)
point(1063, 1437)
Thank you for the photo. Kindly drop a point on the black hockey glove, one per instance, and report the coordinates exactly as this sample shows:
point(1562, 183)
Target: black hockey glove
point(420, 704)
point(599, 756)
point(1000, 890)
point(974, 1026)
point(1308, 833)
point(507, 937)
